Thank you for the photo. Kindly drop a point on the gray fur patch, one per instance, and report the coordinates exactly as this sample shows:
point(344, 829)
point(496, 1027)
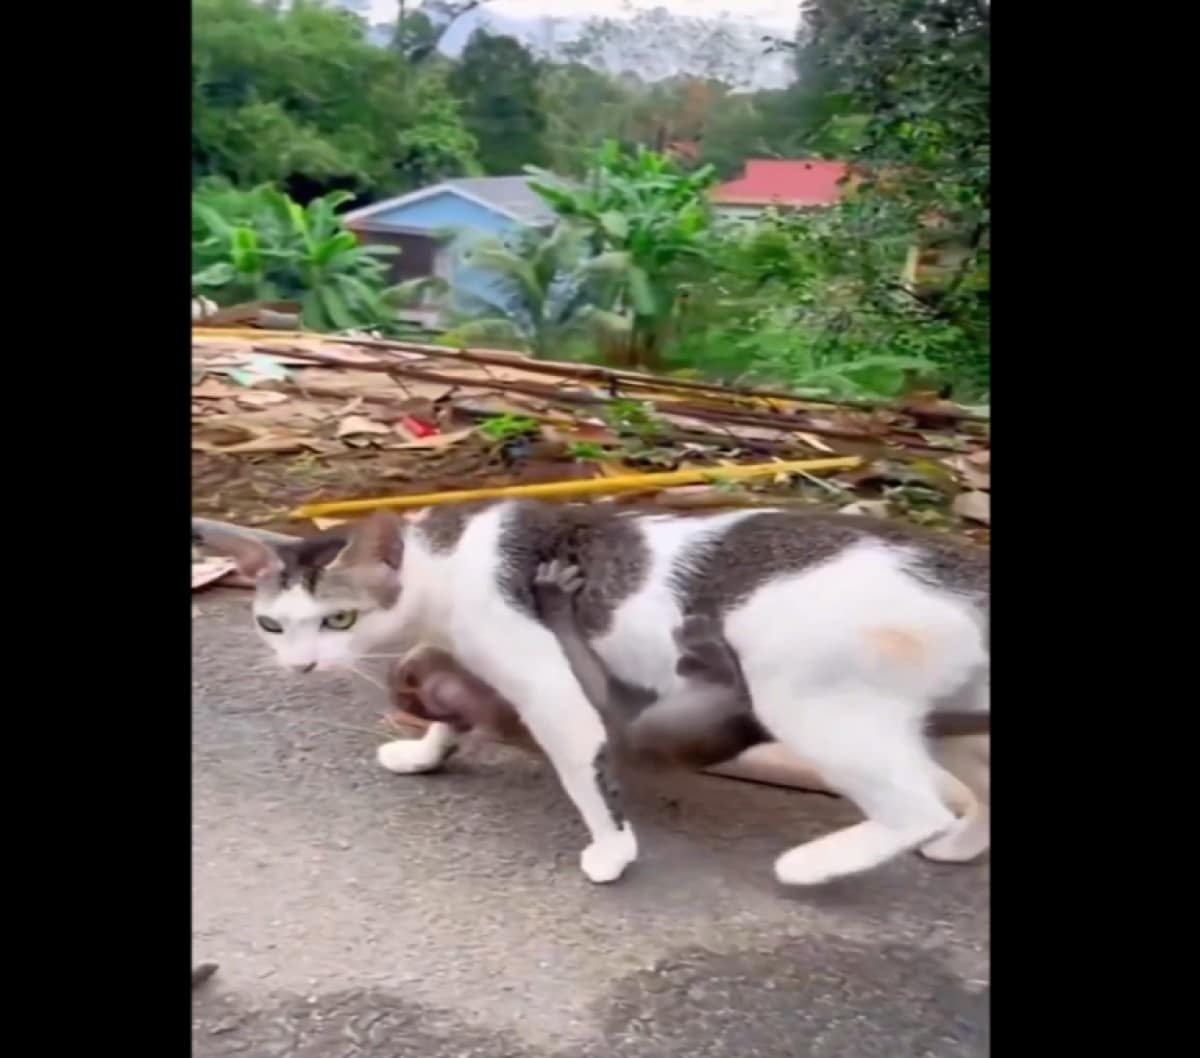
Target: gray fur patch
point(606, 782)
point(304, 562)
point(442, 527)
point(606, 545)
point(307, 562)
point(723, 571)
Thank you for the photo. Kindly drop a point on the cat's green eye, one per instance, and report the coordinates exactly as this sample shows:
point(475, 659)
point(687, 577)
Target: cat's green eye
point(341, 620)
point(269, 624)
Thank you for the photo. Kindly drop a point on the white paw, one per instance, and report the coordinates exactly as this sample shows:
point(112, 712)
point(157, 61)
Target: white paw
point(605, 860)
point(806, 865)
point(410, 756)
point(967, 840)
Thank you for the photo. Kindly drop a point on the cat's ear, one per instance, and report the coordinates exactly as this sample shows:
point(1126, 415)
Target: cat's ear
point(253, 557)
point(376, 540)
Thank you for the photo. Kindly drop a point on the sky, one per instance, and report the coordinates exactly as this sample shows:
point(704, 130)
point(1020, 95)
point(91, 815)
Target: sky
point(775, 14)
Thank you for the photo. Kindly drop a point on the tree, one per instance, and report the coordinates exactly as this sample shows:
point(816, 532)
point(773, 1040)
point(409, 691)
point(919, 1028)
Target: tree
point(497, 81)
point(911, 80)
point(299, 97)
point(584, 107)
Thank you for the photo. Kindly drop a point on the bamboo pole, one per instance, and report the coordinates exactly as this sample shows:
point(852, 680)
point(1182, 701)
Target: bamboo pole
point(559, 490)
point(584, 372)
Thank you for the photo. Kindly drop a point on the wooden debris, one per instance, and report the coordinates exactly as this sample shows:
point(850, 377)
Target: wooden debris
point(286, 421)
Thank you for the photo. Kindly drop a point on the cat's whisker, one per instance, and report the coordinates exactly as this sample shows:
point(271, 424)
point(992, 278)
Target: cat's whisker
point(369, 679)
point(374, 732)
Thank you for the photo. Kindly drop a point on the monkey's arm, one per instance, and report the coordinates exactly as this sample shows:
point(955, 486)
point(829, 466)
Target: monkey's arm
point(555, 586)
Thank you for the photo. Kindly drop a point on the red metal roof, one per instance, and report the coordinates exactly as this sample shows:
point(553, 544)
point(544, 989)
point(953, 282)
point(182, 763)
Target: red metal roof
point(768, 181)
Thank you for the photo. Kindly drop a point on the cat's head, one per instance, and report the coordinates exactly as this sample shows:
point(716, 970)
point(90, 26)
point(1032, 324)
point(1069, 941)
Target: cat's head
point(323, 602)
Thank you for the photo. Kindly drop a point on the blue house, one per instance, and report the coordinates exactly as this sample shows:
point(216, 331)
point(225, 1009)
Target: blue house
point(433, 227)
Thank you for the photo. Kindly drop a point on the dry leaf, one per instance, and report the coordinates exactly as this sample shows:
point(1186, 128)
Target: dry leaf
point(213, 389)
point(982, 458)
point(813, 441)
point(349, 407)
point(974, 505)
point(215, 434)
point(328, 523)
point(610, 469)
point(262, 398)
point(344, 354)
point(267, 442)
point(359, 424)
point(973, 475)
point(871, 508)
point(210, 570)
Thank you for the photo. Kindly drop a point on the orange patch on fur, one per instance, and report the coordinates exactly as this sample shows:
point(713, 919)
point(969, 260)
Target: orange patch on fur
point(896, 643)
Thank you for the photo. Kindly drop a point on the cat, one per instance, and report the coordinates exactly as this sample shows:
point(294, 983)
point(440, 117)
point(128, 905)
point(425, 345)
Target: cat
point(715, 726)
point(849, 632)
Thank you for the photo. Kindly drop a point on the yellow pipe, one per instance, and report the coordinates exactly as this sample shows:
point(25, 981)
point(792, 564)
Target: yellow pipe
point(549, 490)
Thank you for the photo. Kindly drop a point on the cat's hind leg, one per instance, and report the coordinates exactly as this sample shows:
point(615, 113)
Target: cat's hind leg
point(964, 759)
point(870, 749)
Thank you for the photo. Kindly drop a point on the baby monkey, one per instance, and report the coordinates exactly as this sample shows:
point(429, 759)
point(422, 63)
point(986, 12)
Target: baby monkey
point(707, 721)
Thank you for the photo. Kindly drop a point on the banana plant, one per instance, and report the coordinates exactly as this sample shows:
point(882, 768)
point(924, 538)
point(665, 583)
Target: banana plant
point(654, 217)
point(543, 291)
point(263, 245)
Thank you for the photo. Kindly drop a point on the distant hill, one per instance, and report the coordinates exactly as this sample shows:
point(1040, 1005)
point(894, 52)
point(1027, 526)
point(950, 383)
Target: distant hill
point(653, 44)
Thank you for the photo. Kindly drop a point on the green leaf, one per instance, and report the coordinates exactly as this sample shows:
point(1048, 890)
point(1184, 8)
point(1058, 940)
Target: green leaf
point(615, 225)
point(492, 328)
point(641, 293)
point(312, 315)
point(244, 253)
point(215, 275)
point(330, 248)
point(336, 310)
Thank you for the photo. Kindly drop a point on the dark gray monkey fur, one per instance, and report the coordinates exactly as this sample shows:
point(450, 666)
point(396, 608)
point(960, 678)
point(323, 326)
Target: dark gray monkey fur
point(709, 723)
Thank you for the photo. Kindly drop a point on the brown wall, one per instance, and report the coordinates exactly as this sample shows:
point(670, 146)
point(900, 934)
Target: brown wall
point(416, 253)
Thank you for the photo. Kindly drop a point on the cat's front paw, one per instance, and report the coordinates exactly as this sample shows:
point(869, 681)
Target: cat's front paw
point(810, 864)
point(605, 860)
point(411, 756)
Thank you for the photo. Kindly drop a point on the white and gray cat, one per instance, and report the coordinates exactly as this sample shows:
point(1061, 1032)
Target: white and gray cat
point(848, 634)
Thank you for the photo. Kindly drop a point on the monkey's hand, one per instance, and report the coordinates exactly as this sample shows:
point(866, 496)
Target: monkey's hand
point(555, 585)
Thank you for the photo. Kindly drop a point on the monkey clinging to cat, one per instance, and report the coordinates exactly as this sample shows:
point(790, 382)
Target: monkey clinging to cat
point(710, 723)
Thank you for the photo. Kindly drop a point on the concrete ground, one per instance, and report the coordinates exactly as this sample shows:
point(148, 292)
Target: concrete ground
point(357, 913)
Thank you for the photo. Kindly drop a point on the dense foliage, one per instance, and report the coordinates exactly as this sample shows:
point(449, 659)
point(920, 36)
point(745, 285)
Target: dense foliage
point(497, 80)
point(299, 97)
point(259, 245)
point(639, 271)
